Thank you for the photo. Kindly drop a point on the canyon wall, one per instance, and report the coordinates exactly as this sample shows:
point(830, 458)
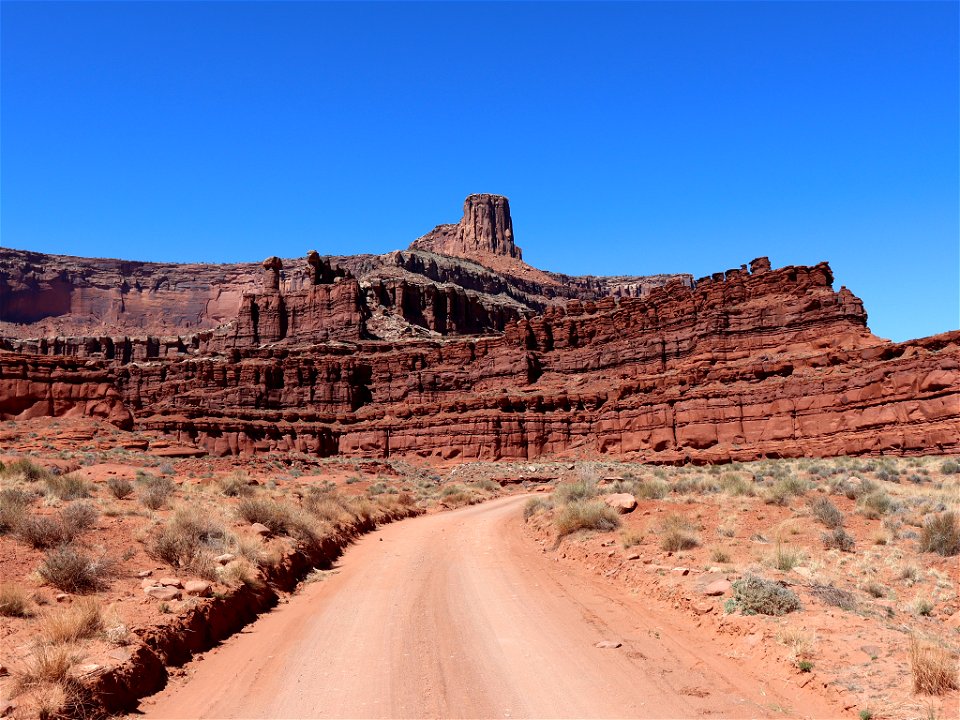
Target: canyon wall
point(749, 363)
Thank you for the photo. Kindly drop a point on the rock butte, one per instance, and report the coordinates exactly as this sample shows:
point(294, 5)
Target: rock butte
point(455, 349)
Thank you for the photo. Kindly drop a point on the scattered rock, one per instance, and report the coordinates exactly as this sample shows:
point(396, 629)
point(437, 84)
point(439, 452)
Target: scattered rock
point(872, 650)
point(681, 571)
point(717, 587)
point(159, 592)
point(200, 588)
point(260, 529)
point(144, 573)
point(608, 644)
point(621, 502)
point(225, 558)
point(633, 556)
point(88, 669)
point(120, 654)
point(61, 597)
point(3, 671)
point(170, 582)
point(7, 709)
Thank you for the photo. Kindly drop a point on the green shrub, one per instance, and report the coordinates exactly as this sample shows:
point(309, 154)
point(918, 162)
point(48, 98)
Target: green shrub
point(755, 595)
point(940, 534)
point(950, 467)
point(826, 512)
point(736, 486)
point(587, 515)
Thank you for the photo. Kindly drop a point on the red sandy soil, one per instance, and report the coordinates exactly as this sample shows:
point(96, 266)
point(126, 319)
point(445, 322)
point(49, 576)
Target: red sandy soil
point(458, 615)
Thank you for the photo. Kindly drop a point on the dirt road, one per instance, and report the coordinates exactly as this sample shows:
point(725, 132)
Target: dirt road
point(459, 615)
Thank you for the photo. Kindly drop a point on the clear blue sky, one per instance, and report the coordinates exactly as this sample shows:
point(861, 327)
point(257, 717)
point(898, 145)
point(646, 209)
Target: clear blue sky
point(630, 138)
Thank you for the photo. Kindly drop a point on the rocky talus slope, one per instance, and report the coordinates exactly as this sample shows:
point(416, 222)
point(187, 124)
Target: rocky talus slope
point(421, 353)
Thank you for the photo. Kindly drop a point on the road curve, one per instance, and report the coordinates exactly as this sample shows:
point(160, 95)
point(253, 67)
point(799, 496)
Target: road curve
point(458, 615)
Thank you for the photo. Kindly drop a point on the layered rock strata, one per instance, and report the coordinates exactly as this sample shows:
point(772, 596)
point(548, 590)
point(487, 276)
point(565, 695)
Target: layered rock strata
point(748, 363)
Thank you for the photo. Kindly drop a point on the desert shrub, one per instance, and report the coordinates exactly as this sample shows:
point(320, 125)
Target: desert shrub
point(120, 488)
point(652, 489)
point(535, 505)
point(154, 490)
point(79, 621)
point(46, 664)
point(855, 490)
point(950, 467)
point(786, 558)
point(784, 489)
point(736, 485)
point(631, 538)
point(13, 601)
point(67, 487)
point(185, 537)
point(875, 589)
point(934, 668)
point(719, 555)
point(826, 512)
point(332, 507)
point(923, 607)
point(26, 469)
point(583, 489)
point(755, 595)
point(677, 533)
point(834, 596)
point(70, 570)
point(41, 531)
point(236, 485)
point(488, 485)
point(838, 539)
point(13, 507)
point(940, 534)
point(587, 515)
point(875, 504)
point(76, 517)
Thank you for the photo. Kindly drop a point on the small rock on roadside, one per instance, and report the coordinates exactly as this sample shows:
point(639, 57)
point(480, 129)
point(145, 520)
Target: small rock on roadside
point(633, 556)
point(681, 571)
point(608, 644)
point(200, 588)
point(621, 502)
point(260, 529)
point(144, 573)
point(717, 587)
point(170, 582)
point(159, 592)
point(225, 558)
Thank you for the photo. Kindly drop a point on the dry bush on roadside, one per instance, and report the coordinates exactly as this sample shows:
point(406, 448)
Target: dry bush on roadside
point(586, 515)
point(934, 668)
point(14, 602)
point(70, 570)
point(940, 534)
point(756, 595)
point(535, 505)
point(240, 572)
point(14, 503)
point(801, 642)
point(631, 538)
point(46, 664)
point(275, 515)
point(185, 537)
point(120, 488)
point(79, 621)
point(330, 506)
point(67, 487)
point(839, 539)
point(583, 489)
point(827, 513)
point(677, 533)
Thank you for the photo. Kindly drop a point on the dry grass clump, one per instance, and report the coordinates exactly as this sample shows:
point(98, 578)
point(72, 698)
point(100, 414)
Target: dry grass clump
point(631, 538)
point(535, 505)
point(41, 531)
point(583, 489)
point(587, 515)
point(236, 484)
point(70, 570)
point(14, 602)
point(77, 517)
point(736, 485)
point(79, 621)
point(802, 643)
point(275, 515)
point(67, 487)
point(333, 507)
point(826, 513)
point(154, 490)
point(47, 664)
point(834, 596)
point(839, 539)
point(651, 490)
point(934, 668)
point(786, 558)
point(875, 504)
point(677, 533)
point(720, 555)
point(758, 596)
point(120, 488)
point(940, 534)
point(13, 507)
point(188, 540)
point(24, 469)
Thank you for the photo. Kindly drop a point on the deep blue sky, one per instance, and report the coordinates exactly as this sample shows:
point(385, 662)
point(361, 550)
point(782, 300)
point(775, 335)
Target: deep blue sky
point(630, 138)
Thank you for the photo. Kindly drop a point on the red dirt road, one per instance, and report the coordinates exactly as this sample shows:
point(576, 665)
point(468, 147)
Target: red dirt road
point(459, 615)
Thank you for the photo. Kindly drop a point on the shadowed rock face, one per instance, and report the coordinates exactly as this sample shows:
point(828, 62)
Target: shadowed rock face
point(423, 354)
